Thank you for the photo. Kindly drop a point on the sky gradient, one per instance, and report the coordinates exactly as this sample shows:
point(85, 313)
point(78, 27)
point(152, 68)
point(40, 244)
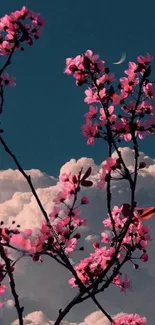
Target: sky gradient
point(43, 115)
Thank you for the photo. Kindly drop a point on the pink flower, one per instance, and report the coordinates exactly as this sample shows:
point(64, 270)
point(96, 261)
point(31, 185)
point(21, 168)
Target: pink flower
point(64, 177)
point(131, 69)
point(90, 130)
point(64, 222)
point(61, 197)
point(3, 288)
point(106, 78)
point(28, 232)
point(91, 97)
point(145, 59)
point(130, 319)
point(129, 83)
point(71, 244)
point(141, 131)
point(149, 90)
point(20, 241)
point(102, 93)
point(92, 112)
point(117, 98)
point(91, 56)
point(111, 116)
point(54, 214)
point(5, 79)
point(72, 64)
point(105, 237)
point(109, 163)
point(125, 284)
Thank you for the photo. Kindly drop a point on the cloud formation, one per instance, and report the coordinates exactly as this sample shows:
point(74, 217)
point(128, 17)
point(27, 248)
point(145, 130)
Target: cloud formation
point(39, 318)
point(45, 285)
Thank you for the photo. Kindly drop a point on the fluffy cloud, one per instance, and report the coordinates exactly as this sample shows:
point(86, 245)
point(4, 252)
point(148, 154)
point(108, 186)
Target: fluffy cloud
point(11, 181)
point(9, 303)
point(35, 318)
point(74, 166)
point(39, 318)
point(98, 318)
point(92, 238)
point(17, 202)
point(45, 285)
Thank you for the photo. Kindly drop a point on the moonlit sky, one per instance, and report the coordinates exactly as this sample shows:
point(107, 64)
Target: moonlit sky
point(42, 121)
point(43, 115)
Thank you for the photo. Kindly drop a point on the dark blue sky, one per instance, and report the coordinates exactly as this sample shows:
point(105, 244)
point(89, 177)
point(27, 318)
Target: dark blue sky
point(43, 114)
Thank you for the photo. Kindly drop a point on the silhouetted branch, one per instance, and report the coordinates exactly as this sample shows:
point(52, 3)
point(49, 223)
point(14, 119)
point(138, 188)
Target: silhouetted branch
point(12, 285)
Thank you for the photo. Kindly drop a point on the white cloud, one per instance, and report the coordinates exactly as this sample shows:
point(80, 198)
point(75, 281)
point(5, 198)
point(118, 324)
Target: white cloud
point(74, 166)
point(46, 284)
point(92, 238)
point(39, 318)
point(128, 156)
point(9, 303)
point(35, 318)
point(98, 318)
point(12, 181)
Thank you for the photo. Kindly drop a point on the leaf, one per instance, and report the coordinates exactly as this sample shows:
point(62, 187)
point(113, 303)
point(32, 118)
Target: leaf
point(87, 174)
point(147, 213)
point(86, 183)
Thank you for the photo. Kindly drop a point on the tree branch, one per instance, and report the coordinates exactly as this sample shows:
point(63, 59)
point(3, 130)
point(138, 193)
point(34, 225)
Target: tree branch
point(12, 285)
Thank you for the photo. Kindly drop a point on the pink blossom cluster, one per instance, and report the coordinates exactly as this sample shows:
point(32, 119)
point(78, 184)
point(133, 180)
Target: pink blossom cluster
point(134, 119)
point(65, 226)
point(130, 319)
point(110, 164)
point(18, 27)
point(134, 241)
point(5, 238)
point(21, 26)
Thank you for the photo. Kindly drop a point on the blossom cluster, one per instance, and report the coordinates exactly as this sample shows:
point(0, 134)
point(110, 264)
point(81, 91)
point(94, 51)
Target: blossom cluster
point(136, 108)
point(130, 319)
point(19, 27)
point(65, 223)
point(134, 241)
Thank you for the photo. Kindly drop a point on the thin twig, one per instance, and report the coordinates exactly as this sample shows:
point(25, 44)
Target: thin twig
point(12, 285)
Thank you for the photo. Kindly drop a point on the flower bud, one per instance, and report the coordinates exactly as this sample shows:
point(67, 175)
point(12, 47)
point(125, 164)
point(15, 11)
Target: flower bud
point(77, 236)
point(96, 245)
point(84, 200)
point(142, 164)
point(144, 258)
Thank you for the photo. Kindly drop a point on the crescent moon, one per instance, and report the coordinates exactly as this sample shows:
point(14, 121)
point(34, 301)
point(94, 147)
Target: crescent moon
point(122, 59)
